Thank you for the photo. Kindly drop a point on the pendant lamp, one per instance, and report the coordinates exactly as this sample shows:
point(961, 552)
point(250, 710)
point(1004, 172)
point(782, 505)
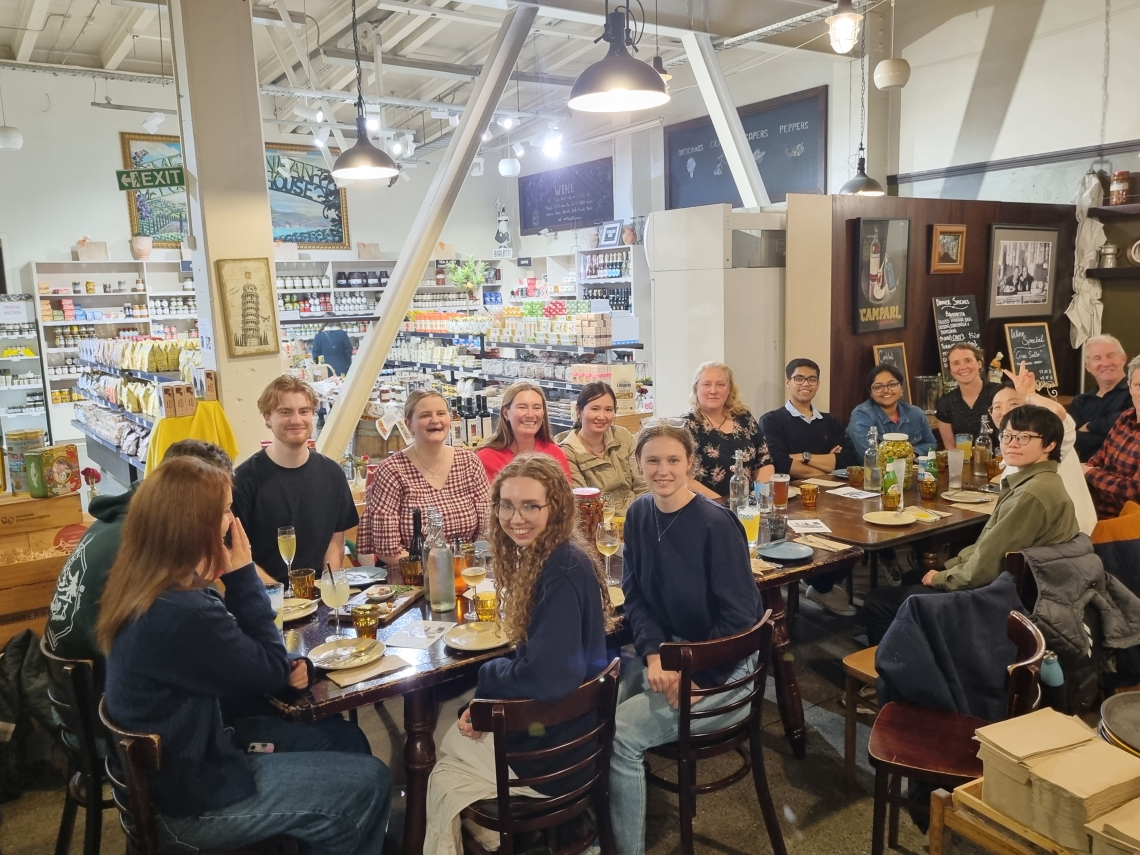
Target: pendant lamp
point(658, 62)
point(619, 83)
point(862, 184)
point(10, 138)
point(892, 73)
point(363, 161)
point(843, 27)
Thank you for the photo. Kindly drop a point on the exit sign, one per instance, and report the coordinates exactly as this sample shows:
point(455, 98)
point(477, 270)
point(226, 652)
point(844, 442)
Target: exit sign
point(144, 179)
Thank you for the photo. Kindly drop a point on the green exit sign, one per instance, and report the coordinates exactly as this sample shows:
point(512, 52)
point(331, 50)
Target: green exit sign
point(144, 179)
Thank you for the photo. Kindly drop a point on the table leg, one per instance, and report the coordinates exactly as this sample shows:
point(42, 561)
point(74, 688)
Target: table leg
point(420, 712)
point(787, 690)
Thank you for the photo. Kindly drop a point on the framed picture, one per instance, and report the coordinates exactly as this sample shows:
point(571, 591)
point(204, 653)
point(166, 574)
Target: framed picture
point(895, 354)
point(881, 255)
point(1023, 271)
point(609, 234)
point(948, 249)
point(160, 213)
point(245, 288)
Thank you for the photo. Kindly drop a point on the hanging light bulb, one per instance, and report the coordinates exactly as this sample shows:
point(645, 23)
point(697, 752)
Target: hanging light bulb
point(843, 27)
point(520, 149)
point(659, 67)
point(618, 83)
point(372, 124)
point(487, 135)
point(309, 113)
point(552, 145)
point(321, 138)
point(658, 63)
point(10, 138)
point(892, 73)
point(509, 167)
point(363, 160)
point(506, 122)
point(862, 184)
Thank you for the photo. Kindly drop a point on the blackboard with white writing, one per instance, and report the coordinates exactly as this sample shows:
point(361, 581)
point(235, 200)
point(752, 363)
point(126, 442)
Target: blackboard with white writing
point(788, 139)
point(567, 198)
point(955, 320)
point(1030, 343)
point(894, 354)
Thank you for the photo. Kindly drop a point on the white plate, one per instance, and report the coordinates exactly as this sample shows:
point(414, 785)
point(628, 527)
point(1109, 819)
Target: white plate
point(378, 593)
point(482, 635)
point(295, 609)
point(617, 596)
point(969, 497)
point(371, 654)
point(364, 578)
point(889, 518)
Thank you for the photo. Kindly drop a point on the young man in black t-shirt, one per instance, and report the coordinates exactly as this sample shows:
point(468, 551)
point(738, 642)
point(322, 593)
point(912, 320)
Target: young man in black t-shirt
point(288, 484)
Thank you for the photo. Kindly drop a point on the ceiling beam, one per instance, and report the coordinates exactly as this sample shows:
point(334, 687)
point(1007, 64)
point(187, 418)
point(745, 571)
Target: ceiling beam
point(261, 15)
point(32, 21)
point(444, 70)
point(476, 20)
point(119, 43)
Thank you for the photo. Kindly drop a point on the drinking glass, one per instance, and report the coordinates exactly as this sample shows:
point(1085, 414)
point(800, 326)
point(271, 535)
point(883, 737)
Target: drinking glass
point(608, 507)
point(928, 487)
point(778, 525)
point(954, 459)
point(964, 443)
point(993, 467)
point(472, 576)
point(486, 606)
point(301, 581)
point(855, 477)
point(607, 542)
point(780, 491)
point(366, 619)
point(411, 571)
point(334, 594)
point(287, 545)
point(809, 494)
point(277, 603)
point(749, 516)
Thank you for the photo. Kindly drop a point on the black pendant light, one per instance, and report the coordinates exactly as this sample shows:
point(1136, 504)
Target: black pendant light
point(862, 184)
point(619, 83)
point(658, 63)
point(363, 161)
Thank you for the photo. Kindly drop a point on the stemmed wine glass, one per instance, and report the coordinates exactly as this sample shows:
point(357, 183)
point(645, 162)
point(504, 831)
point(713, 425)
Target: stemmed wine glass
point(607, 541)
point(334, 594)
point(287, 546)
point(608, 507)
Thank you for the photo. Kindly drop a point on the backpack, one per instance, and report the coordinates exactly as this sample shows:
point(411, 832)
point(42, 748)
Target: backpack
point(23, 698)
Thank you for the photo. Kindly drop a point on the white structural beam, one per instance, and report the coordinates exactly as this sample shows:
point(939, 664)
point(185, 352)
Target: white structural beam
point(119, 44)
point(32, 21)
point(420, 244)
point(718, 101)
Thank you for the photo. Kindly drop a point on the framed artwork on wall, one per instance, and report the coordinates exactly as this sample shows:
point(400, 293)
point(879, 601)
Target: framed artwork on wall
point(895, 354)
point(1023, 271)
point(159, 213)
point(882, 252)
point(245, 288)
point(948, 249)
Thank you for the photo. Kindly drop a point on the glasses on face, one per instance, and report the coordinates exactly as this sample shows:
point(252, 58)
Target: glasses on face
point(671, 422)
point(800, 380)
point(529, 511)
point(1018, 439)
point(893, 386)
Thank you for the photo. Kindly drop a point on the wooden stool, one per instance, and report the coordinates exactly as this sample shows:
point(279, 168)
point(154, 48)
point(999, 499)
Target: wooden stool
point(858, 671)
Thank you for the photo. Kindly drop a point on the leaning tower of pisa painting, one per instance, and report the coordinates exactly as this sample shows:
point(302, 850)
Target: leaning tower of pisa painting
point(250, 334)
point(246, 288)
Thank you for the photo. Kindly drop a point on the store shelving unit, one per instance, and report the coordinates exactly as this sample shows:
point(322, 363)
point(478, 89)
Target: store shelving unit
point(21, 310)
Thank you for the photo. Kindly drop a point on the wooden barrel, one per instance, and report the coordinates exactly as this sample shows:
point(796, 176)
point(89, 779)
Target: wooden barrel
point(368, 440)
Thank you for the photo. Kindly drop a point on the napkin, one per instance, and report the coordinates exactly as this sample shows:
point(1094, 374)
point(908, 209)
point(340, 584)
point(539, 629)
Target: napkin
point(759, 566)
point(821, 543)
point(420, 634)
point(823, 482)
point(853, 493)
point(385, 664)
point(809, 526)
point(987, 508)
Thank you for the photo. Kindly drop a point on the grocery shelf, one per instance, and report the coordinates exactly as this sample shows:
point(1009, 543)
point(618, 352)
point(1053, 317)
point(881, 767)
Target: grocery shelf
point(137, 418)
point(548, 384)
point(567, 348)
point(310, 316)
point(22, 415)
point(436, 366)
point(22, 387)
point(133, 373)
point(17, 358)
point(95, 322)
point(106, 443)
point(30, 335)
point(555, 422)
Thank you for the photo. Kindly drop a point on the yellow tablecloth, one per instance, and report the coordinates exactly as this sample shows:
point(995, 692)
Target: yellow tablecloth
point(209, 424)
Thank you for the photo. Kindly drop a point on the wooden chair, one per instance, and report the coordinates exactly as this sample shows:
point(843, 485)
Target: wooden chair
point(689, 658)
point(71, 690)
point(140, 755)
point(858, 671)
point(510, 815)
point(937, 746)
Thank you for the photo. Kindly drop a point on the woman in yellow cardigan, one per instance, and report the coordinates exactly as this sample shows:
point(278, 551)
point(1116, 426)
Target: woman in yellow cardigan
point(601, 453)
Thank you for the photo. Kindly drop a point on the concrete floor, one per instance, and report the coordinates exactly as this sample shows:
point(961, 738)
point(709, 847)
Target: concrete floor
point(819, 814)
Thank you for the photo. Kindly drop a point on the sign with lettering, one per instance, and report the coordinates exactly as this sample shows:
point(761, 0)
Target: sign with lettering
point(788, 140)
point(143, 179)
point(955, 320)
point(567, 198)
point(1030, 343)
point(883, 251)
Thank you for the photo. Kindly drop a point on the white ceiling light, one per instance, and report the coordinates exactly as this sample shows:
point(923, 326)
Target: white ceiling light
point(618, 83)
point(309, 113)
point(10, 138)
point(477, 167)
point(487, 135)
point(153, 121)
point(509, 167)
point(506, 122)
point(396, 147)
point(373, 124)
point(453, 120)
point(552, 145)
point(843, 27)
point(892, 73)
point(321, 138)
point(520, 149)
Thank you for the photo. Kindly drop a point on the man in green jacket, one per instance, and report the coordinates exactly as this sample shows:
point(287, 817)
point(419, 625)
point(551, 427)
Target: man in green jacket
point(1033, 509)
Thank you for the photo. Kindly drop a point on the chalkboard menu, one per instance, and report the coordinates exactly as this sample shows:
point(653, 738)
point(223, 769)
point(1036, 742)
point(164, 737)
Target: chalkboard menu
point(1030, 343)
point(955, 320)
point(567, 198)
point(894, 354)
point(788, 138)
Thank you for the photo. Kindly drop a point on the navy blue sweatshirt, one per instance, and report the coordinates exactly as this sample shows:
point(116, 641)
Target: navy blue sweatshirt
point(789, 436)
point(565, 647)
point(687, 577)
point(167, 671)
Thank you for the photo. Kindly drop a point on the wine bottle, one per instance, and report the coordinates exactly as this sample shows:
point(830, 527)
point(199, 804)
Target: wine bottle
point(485, 418)
point(416, 547)
point(458, 426)
point(471, 419)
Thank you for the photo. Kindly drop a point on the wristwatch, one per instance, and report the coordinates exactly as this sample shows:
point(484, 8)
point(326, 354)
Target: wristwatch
point(806, 456)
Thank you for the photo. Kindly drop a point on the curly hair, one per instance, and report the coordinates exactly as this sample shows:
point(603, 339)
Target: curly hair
point(732, 403)
point(517, 569)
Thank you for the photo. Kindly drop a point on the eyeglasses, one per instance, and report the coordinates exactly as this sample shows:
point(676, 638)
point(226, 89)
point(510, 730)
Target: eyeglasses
point(800, 380)
point(893, 386)
point(671, 422)
point(529, 511)
point(1018, 439)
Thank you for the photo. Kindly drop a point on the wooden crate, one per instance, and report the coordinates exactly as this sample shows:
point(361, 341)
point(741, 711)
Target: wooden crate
point(26, 590)
point(22, 514)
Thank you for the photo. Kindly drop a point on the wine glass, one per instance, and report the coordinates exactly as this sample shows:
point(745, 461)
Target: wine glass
point(608, 507)
point(287, 546)
point(334, 594)
point(473, 575)
point(607, 541)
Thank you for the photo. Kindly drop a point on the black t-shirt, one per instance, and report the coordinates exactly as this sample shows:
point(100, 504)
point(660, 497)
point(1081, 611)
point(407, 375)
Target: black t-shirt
point(314, 498)
point(952, 409)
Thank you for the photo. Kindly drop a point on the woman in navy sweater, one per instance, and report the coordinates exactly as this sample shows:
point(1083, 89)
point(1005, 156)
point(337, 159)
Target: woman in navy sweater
point(687, 577)
point(175, 650)
point(557, 609)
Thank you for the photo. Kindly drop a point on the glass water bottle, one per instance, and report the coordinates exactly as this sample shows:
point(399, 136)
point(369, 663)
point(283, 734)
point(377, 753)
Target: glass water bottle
point(872, 475)
point(440, 574)
point(738, 485)
point(983, 450)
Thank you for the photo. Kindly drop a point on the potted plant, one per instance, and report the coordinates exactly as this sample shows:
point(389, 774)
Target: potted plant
point(468, 275)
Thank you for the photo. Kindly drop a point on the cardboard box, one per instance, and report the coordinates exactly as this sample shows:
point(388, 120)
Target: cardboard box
point(184, 403)
point(167, 404)
point(53, 471)
point(623, 379)
point(206, 384)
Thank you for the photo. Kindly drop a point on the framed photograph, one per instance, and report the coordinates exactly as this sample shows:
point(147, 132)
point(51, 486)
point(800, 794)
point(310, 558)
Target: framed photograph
point(245, 288)
point(948, 249)
point(160, 213)
point(882, 253)
point(609, 234)
point(1023, 270)
point(895, 354)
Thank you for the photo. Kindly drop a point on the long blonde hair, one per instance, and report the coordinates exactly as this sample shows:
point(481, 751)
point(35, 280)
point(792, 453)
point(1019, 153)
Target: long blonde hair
point(517, 569)
point(504, 437)
point(732, 404)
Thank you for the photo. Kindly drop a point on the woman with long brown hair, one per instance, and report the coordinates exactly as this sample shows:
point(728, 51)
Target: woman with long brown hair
point(524, 426)
point(601, 452)
point(557, 608)
point(175, 650)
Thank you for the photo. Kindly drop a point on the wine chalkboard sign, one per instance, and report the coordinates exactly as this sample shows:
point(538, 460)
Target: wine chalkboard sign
point(1030, 343)
point(955, 320)
point(788, 139)
point(894, 354)
point(567, 198)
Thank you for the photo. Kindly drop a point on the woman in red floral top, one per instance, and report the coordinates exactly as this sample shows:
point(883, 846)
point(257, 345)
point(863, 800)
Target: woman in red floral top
point(428, 473)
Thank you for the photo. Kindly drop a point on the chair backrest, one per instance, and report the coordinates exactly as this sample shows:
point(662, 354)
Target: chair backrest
point(71, 691)
point(1023, 677)
point(691, 657)
point(139, 755)
point(598, 695)
point(1018, 568)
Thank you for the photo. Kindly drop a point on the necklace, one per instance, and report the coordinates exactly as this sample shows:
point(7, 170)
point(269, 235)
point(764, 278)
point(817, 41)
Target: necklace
point(420, 460)
point(722, 421)
point(657, 522)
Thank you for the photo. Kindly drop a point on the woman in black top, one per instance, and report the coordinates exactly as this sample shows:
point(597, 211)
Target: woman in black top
point(960, 410)
point(721, 425)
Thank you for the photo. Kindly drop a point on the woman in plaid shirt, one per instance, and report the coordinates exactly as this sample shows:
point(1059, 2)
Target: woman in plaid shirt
point(1113, 472)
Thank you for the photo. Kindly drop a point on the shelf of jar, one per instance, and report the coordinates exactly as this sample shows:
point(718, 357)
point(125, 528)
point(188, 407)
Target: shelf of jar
point(23, 387)
point(1104, 273)
point(1116, 212)
point(95, 322)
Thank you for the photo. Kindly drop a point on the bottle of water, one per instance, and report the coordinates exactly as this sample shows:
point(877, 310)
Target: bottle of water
point(873, 475)
point(738, 485)
point(440, 574)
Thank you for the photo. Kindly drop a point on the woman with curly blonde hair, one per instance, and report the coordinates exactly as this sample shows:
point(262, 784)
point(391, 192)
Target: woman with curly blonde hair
point(557, 610)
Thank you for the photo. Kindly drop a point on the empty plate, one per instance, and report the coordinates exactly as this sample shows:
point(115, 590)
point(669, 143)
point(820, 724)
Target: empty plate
point(889, 518)
point(346, 652)
point(482, 635)
point(969, 497)
point(784, 551)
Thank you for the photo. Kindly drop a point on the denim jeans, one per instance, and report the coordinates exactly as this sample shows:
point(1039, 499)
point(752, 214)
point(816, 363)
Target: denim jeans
point(645, 720)
point(335, 802)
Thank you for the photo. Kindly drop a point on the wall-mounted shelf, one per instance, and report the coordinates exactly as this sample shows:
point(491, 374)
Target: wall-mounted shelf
point(1110, 273)
point(1115, 212)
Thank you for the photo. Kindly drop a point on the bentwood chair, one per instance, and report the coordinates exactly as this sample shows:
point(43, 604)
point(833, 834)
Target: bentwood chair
point(510, 815)
point(742, 737)
point(139, 756)
point(937, 746)
point(71, 691)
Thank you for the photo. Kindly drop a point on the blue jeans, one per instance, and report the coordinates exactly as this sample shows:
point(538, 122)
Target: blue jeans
point(334, 801)
point(328, 734)
point(645, 720)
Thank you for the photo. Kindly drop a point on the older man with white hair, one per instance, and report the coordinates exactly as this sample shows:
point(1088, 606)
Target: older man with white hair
point(1095, 412)
point(1113, 473)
